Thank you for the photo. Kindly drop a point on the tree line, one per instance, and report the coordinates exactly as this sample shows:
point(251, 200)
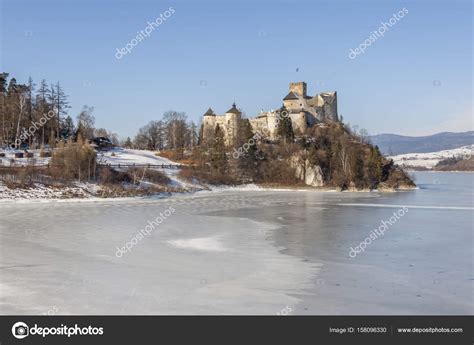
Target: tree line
point(24, 106)
point(172, 132)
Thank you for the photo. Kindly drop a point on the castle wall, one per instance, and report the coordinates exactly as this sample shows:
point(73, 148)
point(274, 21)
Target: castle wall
point(295, 104)
point(272, 123)
point(260, 126)
point(298, 121)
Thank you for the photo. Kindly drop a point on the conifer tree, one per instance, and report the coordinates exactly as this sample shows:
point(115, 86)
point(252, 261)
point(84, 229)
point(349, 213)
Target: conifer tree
point(218, 153)
point(285, 128)
point(248, 149)
point(128, 143)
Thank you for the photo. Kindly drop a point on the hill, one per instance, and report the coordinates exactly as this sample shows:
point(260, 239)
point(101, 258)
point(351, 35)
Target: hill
point(429, 160)
point(393, 144)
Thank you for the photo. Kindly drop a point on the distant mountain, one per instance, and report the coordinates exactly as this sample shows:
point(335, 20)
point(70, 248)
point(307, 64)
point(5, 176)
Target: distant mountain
point(452, 159)
point(393, 144)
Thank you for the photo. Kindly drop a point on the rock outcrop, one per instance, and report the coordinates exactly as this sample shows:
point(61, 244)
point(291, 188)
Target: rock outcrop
point(311, 175)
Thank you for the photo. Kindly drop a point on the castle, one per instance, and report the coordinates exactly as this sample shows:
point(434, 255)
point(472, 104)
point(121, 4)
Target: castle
point(304, 111)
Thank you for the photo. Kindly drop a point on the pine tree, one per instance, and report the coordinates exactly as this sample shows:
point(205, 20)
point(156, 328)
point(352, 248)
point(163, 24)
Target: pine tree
point(42, 107)
point(3, 94)
point(218, 154)
point(31, 88)
point(285, 128)
point(128, 143)
point(248, 149)
point(200, 138)
point(61, 104)
point(67, 128)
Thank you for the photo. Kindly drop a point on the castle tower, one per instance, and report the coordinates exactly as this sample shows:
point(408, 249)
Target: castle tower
point(296, 98)
point(209, 124)
point(232, 118)
point(298, 88)
point(291, 101)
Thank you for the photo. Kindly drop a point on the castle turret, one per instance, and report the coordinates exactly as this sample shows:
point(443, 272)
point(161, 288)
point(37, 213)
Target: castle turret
point(232, 118)
point(209, 124)
point(296, 97)
point(291, 101)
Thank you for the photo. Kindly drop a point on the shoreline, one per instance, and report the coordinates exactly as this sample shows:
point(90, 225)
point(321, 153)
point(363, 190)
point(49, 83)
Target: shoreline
point(441, 171)
point(31, 198)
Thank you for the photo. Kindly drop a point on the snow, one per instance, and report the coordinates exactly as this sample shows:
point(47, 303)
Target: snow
point(41, 192)
point(80, 190)
point(127, 156)
point(430, 159)
point(204, 244)
point(142, 157)
point(218, 265)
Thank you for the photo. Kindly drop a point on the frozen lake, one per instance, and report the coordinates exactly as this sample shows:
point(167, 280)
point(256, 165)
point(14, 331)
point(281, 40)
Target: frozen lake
point(252, 252)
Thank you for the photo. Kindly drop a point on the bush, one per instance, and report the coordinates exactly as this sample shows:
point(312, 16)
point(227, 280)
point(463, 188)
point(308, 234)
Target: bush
point(44, 154)
point(206, 177)
point(74, 161)
point(110, 176)
point(153, 176)
point(397, 178)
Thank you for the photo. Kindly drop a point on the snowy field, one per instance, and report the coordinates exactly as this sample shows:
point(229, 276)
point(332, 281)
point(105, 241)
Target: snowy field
point(430, 159)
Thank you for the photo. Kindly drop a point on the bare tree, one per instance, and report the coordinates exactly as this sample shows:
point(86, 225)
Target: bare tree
point(85, 123)
point(175, 129)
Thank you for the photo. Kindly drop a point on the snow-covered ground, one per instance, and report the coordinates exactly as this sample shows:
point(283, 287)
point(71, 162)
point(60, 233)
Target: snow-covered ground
point(119, 155)
point(42, 192)
point(89, 190)
point(430, 159)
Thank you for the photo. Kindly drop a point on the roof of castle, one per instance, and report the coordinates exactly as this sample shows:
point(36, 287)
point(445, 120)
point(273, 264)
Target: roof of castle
point(233, 110)
point(209, 112)
point(291, 95)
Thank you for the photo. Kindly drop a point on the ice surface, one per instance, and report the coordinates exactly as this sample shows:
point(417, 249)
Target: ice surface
point(243, 252)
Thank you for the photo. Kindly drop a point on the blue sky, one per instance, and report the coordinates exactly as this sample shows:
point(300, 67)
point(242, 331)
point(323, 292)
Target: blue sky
point(415, 80)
